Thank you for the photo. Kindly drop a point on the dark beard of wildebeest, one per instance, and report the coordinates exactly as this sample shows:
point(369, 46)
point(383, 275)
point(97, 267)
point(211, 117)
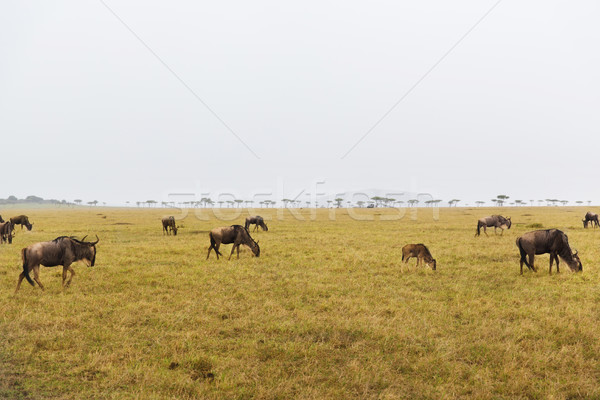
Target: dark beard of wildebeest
point(235, 234)
point(590, 217)
point(63, 250)
point(22, 220)
point(421, 252)
point(168, 223)
point(6, 232)
point(550, 241)
point(497, 221)
point(257, 221)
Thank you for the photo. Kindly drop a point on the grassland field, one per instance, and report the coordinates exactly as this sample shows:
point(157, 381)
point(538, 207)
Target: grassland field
point(326, 312)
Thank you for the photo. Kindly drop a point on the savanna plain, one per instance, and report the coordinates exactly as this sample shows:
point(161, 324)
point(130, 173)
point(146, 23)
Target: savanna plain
point(328, 310)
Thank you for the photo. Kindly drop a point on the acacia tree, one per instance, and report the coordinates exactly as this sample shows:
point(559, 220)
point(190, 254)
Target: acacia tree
point(502, 198)
point(479, 203)
point(338, 202)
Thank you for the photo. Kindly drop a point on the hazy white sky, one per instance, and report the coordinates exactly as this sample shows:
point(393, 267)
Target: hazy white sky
point(87, 111)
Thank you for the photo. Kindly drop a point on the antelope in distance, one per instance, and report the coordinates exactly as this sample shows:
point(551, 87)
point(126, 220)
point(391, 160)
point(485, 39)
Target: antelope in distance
point(550, 241)
point(421, 252)
point(590, 217)
point(6, 232)
point(235, 234)
point(22, 220)
point(257, 221)
point(497, 221)
point(168, 223)
point(64, 250)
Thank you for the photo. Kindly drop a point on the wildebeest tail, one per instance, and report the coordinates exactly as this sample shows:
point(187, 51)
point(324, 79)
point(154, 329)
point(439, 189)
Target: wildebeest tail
point(25, 267)
point(523, 253)
point(478, 228)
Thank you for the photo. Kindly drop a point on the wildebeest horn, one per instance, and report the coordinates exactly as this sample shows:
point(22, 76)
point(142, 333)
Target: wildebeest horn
point(83, 240)
point(96, 242)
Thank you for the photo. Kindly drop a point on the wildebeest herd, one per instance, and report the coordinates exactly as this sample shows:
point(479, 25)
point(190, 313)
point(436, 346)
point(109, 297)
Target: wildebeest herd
point(66, 250)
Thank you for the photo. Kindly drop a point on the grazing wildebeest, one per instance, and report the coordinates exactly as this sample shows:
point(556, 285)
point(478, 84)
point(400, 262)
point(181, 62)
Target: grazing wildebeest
point(497, 221)
point(550, 241)
point(235, 234)
point(590, 217)
point(21, 220)
point(6, 232)
point(168, 223)
point(257, 221)
point(421, 252)
point(63, 250)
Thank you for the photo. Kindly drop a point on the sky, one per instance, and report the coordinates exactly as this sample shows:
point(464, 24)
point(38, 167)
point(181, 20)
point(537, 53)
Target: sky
point(137, 100)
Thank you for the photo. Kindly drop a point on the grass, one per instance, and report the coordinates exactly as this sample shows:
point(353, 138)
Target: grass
point(327, 311)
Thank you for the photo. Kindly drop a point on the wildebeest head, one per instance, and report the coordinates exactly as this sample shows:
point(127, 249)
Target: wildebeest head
point(585, 223)
point(1, 220)
point(433, 264)
point(87, 251)
point(174, 229)
point(28, 226)
point(576, 264)
point(255, 248)
point(264, 226)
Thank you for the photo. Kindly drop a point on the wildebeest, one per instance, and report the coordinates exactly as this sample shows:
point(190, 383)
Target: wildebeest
point(21, 220)
point(64, 250)
point(590, 217)
point(421, 252)
point(257, 221)
point(497, 221)
point(6, 232)
point(168, 223)
point(550, 241)
point(235, 234)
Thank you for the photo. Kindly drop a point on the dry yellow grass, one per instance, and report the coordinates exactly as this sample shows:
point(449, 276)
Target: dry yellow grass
point(325, 312)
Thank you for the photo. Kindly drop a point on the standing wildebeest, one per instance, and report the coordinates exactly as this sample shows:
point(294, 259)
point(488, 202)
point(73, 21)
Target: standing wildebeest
point(63, 250)
point(21, 220)
point(6, 232)
point(497, 221)
point(590, 217)
point(169, 223)
point(421, 252)
point(235, 234)
point(257, 221)
point(550, 241)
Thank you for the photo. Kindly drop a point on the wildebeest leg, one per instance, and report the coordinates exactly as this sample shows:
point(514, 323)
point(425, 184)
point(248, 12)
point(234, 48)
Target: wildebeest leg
point(551, 260)
point(21, 277)
point(485, 230)
point(64, 275)
point(557, 269)
point(36, 276)
point(235, 244)
point(531, 259)
point(521, 262)
point(71, 277)
point(501, 231)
